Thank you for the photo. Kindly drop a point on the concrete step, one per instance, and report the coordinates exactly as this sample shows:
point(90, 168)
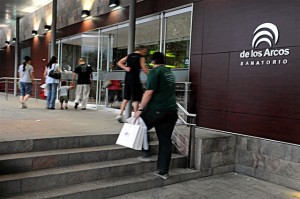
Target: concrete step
point(57, 177)
point(30, 161)
point(56, 143)
point(113, 187)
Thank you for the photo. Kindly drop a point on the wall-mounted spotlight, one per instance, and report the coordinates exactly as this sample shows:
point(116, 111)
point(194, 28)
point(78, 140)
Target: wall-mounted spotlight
point(47, 27)
point(34, 33)
point(7, 43)
point(85, 13)
point(113, 3)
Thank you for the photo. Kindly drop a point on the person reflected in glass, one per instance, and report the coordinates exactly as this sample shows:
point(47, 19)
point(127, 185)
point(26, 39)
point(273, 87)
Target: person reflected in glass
point(51, 83)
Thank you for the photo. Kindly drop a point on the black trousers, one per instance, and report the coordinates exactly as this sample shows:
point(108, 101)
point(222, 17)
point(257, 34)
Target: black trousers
point(164, 123)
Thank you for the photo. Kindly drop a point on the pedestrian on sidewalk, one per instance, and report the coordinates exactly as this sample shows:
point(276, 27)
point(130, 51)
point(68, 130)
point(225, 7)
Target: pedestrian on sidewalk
point(132, 64)
point(158, 109)
point(51, 82)
point(63, 94)
point(25, 83)
point(83, 87)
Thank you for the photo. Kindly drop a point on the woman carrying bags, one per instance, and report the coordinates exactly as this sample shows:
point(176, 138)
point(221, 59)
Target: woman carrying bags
point(51, 83)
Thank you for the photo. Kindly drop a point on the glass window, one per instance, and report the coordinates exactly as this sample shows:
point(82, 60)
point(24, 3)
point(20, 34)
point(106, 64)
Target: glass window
point(177, 45)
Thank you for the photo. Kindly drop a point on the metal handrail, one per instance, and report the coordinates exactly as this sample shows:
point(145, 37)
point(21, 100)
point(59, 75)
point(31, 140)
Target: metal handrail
point(6, 81)
point(192, 124)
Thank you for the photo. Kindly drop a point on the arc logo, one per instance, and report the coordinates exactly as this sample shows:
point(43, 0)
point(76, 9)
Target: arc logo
point(266, 32)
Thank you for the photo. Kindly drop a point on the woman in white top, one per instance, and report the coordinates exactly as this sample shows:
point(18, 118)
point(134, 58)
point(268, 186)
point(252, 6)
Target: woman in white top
point(26, 77)
point(51, 82)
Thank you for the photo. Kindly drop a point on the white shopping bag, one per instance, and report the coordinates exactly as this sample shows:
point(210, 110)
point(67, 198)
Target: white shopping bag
point(131, 136)
point(143, 130)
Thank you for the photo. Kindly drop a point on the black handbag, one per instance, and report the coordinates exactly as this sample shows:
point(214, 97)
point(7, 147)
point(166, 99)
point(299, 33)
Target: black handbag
point(54, 74)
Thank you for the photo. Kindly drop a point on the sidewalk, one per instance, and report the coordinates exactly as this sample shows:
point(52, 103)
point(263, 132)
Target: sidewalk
point(38, 122)
point(227, 186)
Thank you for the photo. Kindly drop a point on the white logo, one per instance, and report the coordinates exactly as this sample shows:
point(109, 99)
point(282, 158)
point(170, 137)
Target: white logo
point(263, 33)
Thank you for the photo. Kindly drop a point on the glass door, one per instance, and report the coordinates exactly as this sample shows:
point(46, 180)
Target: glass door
point(71, 49)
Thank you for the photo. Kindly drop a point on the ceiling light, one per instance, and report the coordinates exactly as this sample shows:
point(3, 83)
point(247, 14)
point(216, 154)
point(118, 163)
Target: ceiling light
point(34, 33)
point(7, 43)
point(47, 27)
point(113, 3)
point(85, 13)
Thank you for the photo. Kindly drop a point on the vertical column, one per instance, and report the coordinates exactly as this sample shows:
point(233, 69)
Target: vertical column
point(53, 27)
point(131, 43)
point(16, 55)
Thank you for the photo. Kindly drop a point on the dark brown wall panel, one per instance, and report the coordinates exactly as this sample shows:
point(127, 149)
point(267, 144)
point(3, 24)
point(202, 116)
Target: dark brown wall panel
point(262, 126)
point(39, 52)
point(229, 25)
point(214, 78)
point(7, 64)
point(197, 28)
point(270, 90)
point(262, 101)
point(211, 119)
point(195, 77)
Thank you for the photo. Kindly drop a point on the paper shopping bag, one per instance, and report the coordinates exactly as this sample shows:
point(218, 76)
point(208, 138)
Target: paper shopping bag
point(131, 136)
point(143, 130)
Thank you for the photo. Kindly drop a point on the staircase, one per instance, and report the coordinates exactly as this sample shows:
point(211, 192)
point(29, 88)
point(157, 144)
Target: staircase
point(88, 167)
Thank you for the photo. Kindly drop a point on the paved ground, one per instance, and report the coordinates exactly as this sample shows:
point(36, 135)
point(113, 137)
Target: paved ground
point(38, 122)
point(227, 186)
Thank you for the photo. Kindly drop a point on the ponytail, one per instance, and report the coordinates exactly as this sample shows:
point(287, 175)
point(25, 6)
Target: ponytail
point(26, 60)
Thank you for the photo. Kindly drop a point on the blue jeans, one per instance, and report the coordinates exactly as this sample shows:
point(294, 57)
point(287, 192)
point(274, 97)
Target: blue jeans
point(51, 94)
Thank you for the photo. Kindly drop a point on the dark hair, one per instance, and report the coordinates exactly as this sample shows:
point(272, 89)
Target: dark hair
point(26, 59)
point(52, 61)
point(63, 83)
point(158, 58)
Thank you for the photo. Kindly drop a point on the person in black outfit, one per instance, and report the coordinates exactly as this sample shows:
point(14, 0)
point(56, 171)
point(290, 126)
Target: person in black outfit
point(84, 81)
point(133, 87)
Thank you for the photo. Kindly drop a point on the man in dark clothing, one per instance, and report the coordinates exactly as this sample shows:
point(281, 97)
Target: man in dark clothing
point(158, 109)
point(133, 87)
point(83, 86)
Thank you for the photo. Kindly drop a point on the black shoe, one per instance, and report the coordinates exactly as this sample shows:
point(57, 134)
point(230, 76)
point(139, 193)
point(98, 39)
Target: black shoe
point(52, 108)
point(76, 105)
point(83, 108)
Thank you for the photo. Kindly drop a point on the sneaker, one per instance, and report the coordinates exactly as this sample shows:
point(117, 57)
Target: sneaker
point(83, 108)
point(23, 105)
point(66, 107)
point(163, 176)
point(120, 119)
point(76, 105)
point(144, 159)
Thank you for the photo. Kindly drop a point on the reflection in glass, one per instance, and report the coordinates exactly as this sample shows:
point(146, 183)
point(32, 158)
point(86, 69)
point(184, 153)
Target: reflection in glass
point(178, 40)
